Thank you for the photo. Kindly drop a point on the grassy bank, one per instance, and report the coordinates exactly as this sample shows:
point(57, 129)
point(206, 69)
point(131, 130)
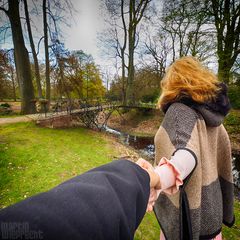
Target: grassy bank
point(10, 115)
point(232, 124)
point(34, 159)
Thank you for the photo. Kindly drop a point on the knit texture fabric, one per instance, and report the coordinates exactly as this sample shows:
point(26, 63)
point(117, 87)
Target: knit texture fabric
point(205, 200)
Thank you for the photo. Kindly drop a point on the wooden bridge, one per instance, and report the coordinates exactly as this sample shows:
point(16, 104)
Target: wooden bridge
point(94, 115)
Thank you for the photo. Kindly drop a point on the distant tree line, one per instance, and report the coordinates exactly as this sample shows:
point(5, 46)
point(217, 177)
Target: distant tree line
point(165, 31)
point(142, 36)
point(62, 74)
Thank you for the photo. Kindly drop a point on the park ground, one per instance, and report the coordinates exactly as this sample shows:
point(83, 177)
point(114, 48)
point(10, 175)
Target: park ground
point(34, 159)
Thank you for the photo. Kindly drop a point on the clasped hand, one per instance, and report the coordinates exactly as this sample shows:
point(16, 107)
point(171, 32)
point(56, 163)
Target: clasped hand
point(155, 184)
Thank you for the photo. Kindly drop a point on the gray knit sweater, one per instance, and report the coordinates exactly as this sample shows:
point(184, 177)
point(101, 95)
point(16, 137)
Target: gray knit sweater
point(205, 201)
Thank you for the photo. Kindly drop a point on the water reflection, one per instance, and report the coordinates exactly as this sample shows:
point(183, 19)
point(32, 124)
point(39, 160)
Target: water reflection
point(144, 144)
point(236, 170)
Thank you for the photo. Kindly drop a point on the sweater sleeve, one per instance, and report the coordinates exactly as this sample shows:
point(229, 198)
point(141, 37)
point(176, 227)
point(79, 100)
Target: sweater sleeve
point(107, 202)
point(172, 172)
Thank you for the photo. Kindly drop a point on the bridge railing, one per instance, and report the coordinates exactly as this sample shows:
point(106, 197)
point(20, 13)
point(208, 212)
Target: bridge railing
point(147, 105)
point(67, 106)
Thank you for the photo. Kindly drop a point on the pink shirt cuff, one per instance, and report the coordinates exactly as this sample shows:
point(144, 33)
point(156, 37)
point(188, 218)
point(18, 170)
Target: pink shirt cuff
point(172, 172)
point(170, 177)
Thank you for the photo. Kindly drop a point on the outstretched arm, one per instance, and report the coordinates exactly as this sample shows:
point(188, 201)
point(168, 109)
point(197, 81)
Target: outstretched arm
point(107, 202)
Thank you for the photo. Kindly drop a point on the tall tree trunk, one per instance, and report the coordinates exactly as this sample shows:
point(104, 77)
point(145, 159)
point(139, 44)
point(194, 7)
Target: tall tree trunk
point(227, 23)
point(22, 60)
point(122, 50)
point(17, 78)
point(61, 89)
point(135, 15)
point(131, 73)
point(36, 65)
point(131, 43)
point(123, 78)
point(223, 70)
point(47, 69)
point(61, 72)
point(79, 86)
point(13, 85)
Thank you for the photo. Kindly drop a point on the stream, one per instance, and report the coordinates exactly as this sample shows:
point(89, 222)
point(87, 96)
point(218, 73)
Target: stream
point(145, 147)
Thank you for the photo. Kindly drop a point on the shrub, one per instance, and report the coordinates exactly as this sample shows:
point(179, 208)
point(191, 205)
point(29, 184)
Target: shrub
point(232, 119)
point(150, 97)
point(234, 96)
point(5, 108)
point(5, 105)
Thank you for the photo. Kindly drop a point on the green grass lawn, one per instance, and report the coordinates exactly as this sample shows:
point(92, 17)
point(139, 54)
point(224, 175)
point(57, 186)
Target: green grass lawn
point(34, 159)
point(10, 115)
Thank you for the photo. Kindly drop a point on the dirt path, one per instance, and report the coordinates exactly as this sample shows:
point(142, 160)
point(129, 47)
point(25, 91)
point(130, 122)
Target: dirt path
point(24, 118)
point(14, 120)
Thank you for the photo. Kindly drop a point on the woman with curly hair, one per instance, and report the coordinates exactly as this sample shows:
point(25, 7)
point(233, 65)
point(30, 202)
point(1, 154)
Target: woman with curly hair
point(193, 154)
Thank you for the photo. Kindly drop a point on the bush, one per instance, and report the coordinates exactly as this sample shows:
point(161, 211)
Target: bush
point(150, 97)
point(234, 96)
point(5, 108)
point(232, 119)
point(5, 105)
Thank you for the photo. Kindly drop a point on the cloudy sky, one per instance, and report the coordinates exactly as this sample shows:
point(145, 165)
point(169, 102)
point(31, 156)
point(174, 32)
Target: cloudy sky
point(85, 24)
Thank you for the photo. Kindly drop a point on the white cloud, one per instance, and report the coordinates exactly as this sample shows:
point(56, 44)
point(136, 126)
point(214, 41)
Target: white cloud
point(83, 31)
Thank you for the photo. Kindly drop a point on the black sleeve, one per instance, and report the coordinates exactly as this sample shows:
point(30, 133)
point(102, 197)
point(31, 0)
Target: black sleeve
point(106, 203)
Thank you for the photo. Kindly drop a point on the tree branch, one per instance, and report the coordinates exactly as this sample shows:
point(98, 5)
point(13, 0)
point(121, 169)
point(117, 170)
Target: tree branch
point(39, 44)
point(124, 26)
point(141, 11)
point(4, 10)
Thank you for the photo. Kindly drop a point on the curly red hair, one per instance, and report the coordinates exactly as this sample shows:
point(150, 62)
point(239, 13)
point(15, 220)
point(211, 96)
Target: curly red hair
point(187, 77)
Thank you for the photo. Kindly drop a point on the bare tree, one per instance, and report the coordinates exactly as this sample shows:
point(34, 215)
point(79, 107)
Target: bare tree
point(47, 64)
point(127, 16)
point(227, 22)
point(116, 36)
point(156, 46)
point(186, 24)
point(21, 56)
point(122, 53)
point(32, 45)
point(7, 75)
point(136, 11)
point(54, 13)
point(10, 66)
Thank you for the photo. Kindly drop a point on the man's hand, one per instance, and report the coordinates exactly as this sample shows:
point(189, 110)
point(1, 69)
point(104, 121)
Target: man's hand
point(154, 182)
point(154, 178)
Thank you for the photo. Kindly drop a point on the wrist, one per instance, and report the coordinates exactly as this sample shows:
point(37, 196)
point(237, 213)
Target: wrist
point(158, 185)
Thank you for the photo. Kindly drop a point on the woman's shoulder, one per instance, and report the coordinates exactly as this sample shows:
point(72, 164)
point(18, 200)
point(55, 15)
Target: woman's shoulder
point(179, 116)
point(179, 109)
point(179, 123)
